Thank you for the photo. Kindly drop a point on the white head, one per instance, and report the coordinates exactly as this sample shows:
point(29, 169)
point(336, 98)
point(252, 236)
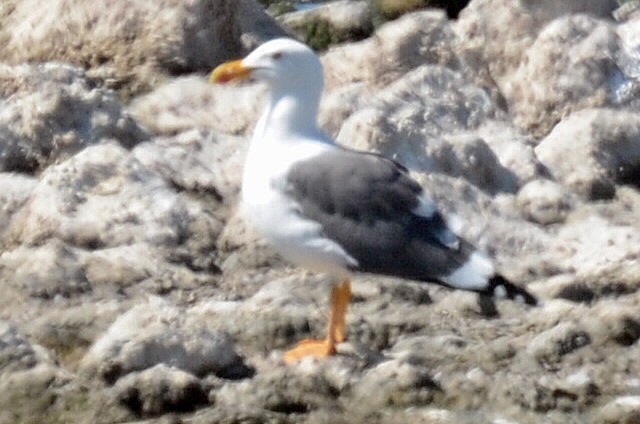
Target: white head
point(283, 63)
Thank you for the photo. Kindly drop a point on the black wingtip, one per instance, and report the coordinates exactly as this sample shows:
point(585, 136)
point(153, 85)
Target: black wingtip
point(500, 287)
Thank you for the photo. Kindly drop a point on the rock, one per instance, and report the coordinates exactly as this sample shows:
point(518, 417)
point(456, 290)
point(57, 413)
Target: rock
point(626, 90)
point(398, 383)
point(547, 60)
point(15, 190)
point(46, 271)
point(550, 346)
point(30, 395)
point(34, 387)
point(573, 393)
point(90, 201)
point(280, 313)
point(53, 111)
point(467, 304)
point(613, 322)
point(410, 120)
point(339, 104)
point(390, 9)
point(191, 102)
point(200, 162)
point(494, 35)
point(429, 349)
point(158, 333)
point(121, 266)
point(627, 10)
point(280, 390)
point(16, 353)
point(595, 250)
point(331, 23)
point(470, 157)
point(513, 149)
point(133, 46)
point(623, 409)
point(396, 48)
point(544, 202)
point(237, 415)
point(571, 66)
point(608, 151)
point(69, 331)
point(159, 390)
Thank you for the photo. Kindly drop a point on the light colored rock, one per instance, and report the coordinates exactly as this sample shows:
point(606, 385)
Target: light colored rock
point(623, 208)
point(396, 48)
point(571, 393)
point(493, 35)
point(548, 59)
point(337, 105)
point(614, 321)
point(70, 330)
point(280, 313)
point(398, 382)
point(52, 111)
point(627, 11)
point(331, 23)
point(550, 346)
point(32, 395)
point(160, 390)
point(235, 415)
point(280, 390)
point(199, 162)
point(470, 157)
point(157, 333)
point(513, 148)
point(571, 66)
point(592, 150)
point(191, 102)
point(120, 266)
point(45, 272)
point(133, 44)
point(103, 197)
point(593, 250)
point(409, 119)
point(618, 246)
point(16, 353)
point(544, 202)
point(626, 85)
point(432, 349)
point(623, 409)
point(15, 189)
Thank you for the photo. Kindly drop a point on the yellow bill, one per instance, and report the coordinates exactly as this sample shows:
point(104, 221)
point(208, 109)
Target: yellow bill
point(230, 71)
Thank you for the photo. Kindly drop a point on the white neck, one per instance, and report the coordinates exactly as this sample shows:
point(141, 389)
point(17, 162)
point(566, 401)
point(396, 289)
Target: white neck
point(290, 113)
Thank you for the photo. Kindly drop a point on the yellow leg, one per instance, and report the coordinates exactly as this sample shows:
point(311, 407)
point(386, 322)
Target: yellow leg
point(344, 297)
point(340, 296)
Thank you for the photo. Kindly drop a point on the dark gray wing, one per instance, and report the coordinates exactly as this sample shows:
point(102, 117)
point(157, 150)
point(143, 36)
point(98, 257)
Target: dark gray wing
point(366, 203)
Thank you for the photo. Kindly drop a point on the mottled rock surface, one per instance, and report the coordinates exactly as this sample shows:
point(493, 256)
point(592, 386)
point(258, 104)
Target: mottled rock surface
point(331, 23)
point(52, 111)
point(608, 152)
point(132, 46)
point(134, 290)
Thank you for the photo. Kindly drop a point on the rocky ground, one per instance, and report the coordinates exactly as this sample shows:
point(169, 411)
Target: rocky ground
point(134, 291)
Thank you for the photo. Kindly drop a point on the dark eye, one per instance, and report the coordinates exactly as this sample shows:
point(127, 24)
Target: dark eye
point(276, 55)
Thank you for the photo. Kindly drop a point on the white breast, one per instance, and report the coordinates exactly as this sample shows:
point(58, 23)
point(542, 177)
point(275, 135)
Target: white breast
point(277, 217)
